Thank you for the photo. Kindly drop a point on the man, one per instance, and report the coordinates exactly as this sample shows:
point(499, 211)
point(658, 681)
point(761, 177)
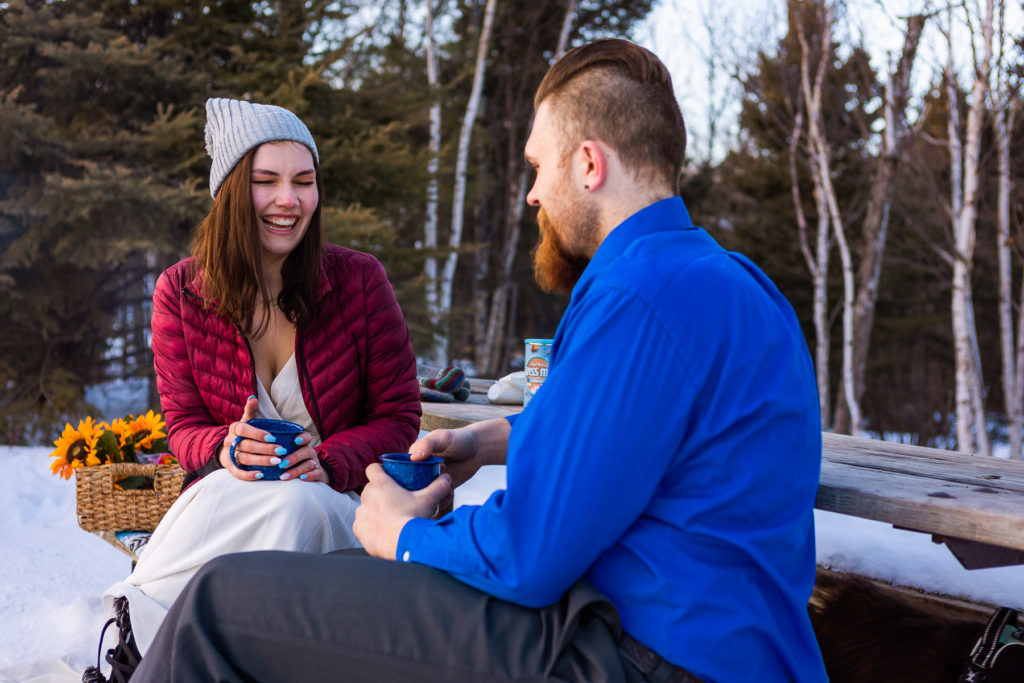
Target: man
point(657, 521)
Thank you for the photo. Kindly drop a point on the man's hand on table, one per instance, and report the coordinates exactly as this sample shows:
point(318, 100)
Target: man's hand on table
point(467, 449)
point(385, 508)
point(458, 447)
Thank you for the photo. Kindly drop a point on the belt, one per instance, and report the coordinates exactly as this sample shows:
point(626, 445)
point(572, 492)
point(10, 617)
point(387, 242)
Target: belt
point(653, 666)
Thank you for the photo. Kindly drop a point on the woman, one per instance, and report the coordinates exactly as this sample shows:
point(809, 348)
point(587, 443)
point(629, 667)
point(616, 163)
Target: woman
point(266, 320)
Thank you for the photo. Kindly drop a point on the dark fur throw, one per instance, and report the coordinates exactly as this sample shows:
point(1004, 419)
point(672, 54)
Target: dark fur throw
point(868, 634)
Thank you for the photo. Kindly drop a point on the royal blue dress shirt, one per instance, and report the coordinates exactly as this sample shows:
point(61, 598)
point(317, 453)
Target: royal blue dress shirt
point(671, 458)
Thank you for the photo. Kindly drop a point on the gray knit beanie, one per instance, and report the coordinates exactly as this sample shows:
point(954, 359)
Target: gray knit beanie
point(233, 127)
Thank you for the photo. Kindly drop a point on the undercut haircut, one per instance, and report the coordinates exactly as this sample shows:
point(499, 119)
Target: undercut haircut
point(615, 91)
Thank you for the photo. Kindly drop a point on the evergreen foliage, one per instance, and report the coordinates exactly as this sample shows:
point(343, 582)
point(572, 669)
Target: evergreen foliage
point(103, 171)
point(85, 209)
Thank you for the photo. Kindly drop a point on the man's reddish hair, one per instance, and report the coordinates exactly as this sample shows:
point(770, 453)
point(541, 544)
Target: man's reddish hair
point(615, 91)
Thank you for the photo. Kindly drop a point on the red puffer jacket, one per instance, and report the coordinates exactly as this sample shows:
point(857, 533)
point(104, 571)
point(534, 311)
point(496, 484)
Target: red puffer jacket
point(356, 369)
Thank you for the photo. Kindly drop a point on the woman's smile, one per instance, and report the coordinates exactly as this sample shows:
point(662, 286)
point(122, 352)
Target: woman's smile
point(282, 225)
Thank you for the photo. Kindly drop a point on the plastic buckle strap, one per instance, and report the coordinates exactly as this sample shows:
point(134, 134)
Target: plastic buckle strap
point(1012, 633)
point(103, 633)
point(125, 657)
point(987, 645)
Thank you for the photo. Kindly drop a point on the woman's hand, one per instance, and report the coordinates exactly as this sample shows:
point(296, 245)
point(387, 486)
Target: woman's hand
point(251, 450)
point(254, 450)
point(304, 464)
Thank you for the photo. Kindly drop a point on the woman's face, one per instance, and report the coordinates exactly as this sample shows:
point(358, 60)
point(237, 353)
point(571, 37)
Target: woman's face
point(284, 195)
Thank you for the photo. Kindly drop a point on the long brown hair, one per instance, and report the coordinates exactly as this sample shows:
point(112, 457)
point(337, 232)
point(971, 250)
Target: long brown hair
point(226, 250)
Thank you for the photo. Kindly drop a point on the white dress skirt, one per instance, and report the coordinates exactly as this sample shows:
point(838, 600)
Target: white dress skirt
point(220, 514)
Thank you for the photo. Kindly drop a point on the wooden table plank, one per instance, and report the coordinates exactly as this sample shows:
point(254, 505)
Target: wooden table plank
point(461, 413)
point(997, 472)
point(925, 489)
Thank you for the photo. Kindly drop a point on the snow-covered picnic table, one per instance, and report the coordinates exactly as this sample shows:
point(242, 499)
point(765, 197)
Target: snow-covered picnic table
point(973, 504)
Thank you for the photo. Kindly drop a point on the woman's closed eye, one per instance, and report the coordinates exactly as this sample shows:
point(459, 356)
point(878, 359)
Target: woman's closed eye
point(266, 181)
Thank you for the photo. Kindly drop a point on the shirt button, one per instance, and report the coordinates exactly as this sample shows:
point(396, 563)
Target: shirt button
point(405, 556)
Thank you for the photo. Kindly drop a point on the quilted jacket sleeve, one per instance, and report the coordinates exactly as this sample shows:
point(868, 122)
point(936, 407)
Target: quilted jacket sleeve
point(391, 398)
point(192, 434)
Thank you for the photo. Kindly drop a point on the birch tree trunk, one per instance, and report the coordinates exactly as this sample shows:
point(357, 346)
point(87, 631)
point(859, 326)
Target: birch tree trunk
point(563, 35)
point(461, 164)
point(499, 322)
point(822, 251)
point(849, 293)
point(876, 219)
point(1019, 376)
point(430, 227)
point(1003, 121)
point(817, 265)
point(820, 160)
point(964, 414)
point(977, 386)
point(972, 428)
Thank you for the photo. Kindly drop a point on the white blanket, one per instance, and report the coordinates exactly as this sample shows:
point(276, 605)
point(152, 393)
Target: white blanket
point(220, 514)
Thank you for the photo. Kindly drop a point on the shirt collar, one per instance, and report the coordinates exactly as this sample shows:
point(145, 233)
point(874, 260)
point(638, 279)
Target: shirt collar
point(663, 215)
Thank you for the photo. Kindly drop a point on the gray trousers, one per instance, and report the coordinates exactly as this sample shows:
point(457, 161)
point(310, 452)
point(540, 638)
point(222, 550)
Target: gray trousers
point(345, 616)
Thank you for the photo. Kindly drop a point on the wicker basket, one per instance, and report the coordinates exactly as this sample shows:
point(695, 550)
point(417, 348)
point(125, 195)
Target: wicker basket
point(101, 507)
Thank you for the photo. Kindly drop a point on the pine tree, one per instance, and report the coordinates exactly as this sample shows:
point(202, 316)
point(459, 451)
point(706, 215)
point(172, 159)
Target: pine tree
point(103, 171)
point(87, 202)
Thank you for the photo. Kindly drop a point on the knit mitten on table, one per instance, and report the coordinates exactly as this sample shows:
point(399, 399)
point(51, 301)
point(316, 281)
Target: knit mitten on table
point(449, 384)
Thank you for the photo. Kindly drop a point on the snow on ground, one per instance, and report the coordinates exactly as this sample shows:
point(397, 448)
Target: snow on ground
point(54, 573)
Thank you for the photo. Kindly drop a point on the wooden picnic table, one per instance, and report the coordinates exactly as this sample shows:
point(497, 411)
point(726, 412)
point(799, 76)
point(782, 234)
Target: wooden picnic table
point(461, 413)
point(973, 504)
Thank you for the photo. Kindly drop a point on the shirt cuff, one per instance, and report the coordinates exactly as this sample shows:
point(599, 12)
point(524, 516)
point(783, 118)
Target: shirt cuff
point(408, 540)
point(512, 418)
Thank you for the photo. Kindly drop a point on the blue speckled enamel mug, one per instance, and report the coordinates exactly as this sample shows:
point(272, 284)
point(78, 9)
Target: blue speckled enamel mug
point(285, 433)
point(411, 474)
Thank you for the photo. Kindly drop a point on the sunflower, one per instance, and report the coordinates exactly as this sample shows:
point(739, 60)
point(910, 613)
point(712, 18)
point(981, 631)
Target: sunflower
point(145, 429)
point(123, 431)
point(76, 448)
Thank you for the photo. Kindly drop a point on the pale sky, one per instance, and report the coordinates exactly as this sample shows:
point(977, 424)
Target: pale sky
point(688, 34)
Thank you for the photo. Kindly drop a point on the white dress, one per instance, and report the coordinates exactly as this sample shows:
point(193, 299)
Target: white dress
point(220, 514)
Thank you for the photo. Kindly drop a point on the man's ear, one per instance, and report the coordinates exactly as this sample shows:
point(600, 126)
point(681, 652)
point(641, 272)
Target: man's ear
point(595, 165)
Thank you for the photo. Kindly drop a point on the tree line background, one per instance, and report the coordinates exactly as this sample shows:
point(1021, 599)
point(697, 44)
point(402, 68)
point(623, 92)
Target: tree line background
point(890, 219)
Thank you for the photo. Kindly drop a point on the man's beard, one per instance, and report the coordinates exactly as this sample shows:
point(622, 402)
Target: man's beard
point(557, 266)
